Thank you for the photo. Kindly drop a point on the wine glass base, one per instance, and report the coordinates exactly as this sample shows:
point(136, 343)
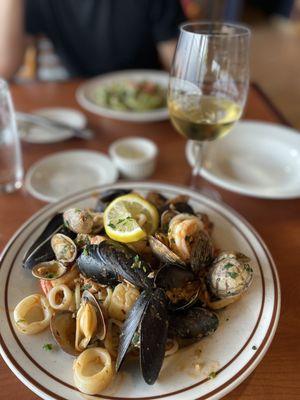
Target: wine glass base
point(10, 186)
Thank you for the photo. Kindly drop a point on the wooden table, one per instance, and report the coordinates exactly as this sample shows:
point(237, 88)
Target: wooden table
point(278, 222)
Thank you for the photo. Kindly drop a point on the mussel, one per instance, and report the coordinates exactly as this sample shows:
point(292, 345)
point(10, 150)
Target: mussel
point(149, 313)
point(230, 275)
point(106, 261)
point(179, 284)
point(49, 270)
point(109, 196)
point(64, 248)
point(41, 249)
point(193, 323)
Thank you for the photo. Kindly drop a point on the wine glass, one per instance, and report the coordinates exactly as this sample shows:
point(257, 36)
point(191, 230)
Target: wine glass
point(209, 82)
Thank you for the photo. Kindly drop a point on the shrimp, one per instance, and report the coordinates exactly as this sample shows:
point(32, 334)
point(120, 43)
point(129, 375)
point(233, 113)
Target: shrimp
point(183, 230)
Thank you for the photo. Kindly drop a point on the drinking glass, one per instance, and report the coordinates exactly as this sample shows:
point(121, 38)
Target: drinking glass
point(11, 168)
point(209, 82)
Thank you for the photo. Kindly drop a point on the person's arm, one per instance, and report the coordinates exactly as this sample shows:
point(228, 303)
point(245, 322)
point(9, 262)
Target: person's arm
point(166, 52)
point(12, 36)
point(165, 16)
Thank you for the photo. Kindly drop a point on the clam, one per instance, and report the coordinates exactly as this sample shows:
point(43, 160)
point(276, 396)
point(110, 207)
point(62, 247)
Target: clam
point(78, 220)
point(230, 275)
point(41, 249)
point(64, 248)
point(63, 328)
point(193, 323)
point(97, 222)
point(49, 270)
point(201, 252)
point(163, 252)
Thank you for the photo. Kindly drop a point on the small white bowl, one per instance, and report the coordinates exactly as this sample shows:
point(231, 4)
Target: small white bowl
point(135, 157)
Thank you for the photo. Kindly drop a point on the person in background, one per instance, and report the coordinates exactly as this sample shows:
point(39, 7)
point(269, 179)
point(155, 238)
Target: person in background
point(92, 36)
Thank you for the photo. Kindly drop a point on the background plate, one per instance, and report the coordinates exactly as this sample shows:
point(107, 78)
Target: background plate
point(244, 335)
point(83, 95)
point(256, 158)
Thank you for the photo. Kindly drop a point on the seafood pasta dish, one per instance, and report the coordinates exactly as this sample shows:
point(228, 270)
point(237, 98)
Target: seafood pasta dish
point(135, 277)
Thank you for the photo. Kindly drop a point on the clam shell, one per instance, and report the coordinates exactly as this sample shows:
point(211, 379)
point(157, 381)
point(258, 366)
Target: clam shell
point(163, 252)
point(49, 270)
point(78, 220)
point(64, 248)
point(63, 328)
point(230, 275)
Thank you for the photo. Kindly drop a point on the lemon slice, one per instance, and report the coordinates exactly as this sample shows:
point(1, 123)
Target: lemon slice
point(130, 218)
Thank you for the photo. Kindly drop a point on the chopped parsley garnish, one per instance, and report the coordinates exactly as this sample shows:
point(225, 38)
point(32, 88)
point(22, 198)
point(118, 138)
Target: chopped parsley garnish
point(212, 375)
point(233, 275)
point(20, 321)
point(228, 265)
point(77, 210)
point(248, 268)
point(48, 347)
point(254, 348)
point(137, 263)
point(113, 226)
point(85, 252)
point(50, 275)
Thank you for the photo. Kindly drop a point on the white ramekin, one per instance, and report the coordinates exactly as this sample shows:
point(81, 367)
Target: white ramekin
point(139, 167)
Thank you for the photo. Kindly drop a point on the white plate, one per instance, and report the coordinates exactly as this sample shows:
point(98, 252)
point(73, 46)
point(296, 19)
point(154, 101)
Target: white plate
point(70, 116)
point(66, 172)
point(257, 159)
point(83, 95)
point(230, 350)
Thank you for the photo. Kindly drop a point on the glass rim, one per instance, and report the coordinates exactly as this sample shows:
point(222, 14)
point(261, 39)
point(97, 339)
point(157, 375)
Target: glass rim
point(240, 29)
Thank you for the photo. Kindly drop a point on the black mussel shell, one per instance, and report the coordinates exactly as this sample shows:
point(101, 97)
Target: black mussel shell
point(171, 276)
point(91, 265)
point(180, 207)
point(154, 330)
point(109, 196)
point(41, 249)
point(131, 325)
point(193, 323)
point(110, 259)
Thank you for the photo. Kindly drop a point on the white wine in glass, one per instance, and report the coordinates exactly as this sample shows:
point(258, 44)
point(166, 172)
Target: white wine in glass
point(209, 82)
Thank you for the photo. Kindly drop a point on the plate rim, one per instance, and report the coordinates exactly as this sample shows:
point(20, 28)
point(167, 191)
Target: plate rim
point(232, 187)
point(159, 114)
point(229, 384)
point(51, 199)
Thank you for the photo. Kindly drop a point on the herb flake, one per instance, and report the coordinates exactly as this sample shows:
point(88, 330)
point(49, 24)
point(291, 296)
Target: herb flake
point(233, 275)
point(48, 347)
point(212, 375)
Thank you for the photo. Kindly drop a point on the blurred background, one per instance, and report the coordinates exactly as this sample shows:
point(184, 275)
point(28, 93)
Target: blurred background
point(275, 55)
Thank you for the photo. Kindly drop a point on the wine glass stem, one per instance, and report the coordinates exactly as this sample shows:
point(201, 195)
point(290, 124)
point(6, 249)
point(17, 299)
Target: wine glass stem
point(198, 146)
